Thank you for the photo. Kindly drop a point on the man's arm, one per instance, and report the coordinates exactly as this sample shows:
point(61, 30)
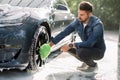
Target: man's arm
point(69, 29)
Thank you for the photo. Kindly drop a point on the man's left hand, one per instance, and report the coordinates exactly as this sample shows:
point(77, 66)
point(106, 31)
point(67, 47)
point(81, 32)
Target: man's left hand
point(65, 48)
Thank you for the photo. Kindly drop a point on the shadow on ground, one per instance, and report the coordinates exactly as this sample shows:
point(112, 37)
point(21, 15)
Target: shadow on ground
point(15, 75)
point(70, 76)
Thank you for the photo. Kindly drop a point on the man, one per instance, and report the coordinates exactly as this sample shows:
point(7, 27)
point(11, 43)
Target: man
point(91, 31)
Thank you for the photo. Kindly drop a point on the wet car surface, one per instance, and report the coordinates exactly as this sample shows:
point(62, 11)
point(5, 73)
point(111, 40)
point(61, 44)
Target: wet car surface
point(25, 26)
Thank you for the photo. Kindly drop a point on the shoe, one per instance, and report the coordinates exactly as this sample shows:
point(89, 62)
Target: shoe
point(90, 69)
point(82, 67)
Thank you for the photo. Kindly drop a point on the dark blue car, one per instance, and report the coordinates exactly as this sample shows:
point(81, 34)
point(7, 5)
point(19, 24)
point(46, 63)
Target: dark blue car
point(27, 24)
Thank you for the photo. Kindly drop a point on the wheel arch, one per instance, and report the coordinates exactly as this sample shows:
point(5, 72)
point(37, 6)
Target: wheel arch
point(47, 25)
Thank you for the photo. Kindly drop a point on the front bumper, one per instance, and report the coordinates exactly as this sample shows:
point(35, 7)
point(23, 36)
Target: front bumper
point(14, 64)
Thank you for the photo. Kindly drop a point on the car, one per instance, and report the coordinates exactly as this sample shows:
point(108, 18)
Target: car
point(25, 25)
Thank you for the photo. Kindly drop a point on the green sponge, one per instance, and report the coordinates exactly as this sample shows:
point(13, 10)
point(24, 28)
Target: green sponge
point(44, 51)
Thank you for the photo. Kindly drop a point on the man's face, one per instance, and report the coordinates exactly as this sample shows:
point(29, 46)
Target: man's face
point(83, 15)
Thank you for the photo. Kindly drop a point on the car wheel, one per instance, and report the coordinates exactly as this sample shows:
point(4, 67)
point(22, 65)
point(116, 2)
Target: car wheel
point(41, 36)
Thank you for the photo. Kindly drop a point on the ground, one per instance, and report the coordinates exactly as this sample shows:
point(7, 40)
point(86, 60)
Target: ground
point(64, 66)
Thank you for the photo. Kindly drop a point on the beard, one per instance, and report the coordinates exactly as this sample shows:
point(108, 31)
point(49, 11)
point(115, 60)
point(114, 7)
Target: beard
point(84, 20)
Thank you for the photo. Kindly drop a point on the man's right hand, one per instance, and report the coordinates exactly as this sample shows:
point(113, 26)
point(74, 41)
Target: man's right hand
point(51, 44)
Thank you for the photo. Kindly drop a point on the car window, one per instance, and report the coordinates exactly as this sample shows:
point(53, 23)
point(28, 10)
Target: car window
point(60, 5)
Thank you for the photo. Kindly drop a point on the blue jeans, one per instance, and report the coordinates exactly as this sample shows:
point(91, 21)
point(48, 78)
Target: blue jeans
point(87, 55)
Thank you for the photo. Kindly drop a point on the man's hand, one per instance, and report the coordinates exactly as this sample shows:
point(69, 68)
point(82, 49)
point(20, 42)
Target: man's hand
point(65, 48)
point(51, 44)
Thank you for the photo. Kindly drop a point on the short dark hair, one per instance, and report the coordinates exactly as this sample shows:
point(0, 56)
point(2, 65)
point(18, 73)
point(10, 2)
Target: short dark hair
point(87, 6)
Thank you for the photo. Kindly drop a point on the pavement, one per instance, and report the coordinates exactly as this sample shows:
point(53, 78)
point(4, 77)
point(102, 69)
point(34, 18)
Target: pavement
point(63, 67)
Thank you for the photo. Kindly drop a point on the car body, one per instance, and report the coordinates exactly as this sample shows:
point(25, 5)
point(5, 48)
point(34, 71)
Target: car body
point(27, 24)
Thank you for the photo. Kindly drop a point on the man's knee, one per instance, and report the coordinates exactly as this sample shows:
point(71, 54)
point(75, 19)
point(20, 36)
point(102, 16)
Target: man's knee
point(83, 54)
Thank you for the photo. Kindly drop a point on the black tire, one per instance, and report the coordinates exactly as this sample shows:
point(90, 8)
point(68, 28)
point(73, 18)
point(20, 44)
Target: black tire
point(41, 36)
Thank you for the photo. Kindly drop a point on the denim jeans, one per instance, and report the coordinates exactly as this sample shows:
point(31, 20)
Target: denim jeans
point(87, 55)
